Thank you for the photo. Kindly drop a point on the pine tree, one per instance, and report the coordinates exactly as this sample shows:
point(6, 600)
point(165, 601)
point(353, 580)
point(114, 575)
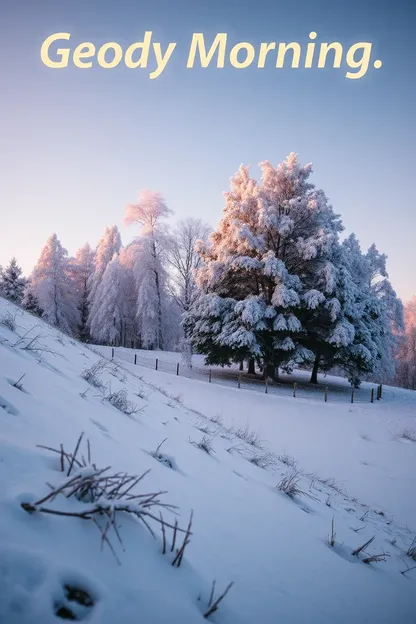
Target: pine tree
point(364, 338)
point(81, 270)
point(12, 284)
point(150, 267)
point(109, 305)
point(109, 244)
point(30, 302)
point(51, 286)
point(267, 264)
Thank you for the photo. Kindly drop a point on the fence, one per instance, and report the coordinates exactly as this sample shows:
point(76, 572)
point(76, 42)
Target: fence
point(231, 377)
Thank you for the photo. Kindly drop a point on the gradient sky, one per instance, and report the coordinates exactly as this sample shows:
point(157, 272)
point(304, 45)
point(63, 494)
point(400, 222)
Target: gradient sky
point(77, 145)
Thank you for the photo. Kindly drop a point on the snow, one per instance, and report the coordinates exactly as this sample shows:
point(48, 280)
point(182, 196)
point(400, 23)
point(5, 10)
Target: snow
point(244, 529)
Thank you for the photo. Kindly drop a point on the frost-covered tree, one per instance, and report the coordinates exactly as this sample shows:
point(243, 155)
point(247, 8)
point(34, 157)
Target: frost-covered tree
point(184, 260)
point(52, 288)
point(368, 316)
point(108, 313)
point(150, 267)
point(406, 355)
point(29, 301)
point(12, 284)
point(268, 262)
point(108, 245)
point(81, 270)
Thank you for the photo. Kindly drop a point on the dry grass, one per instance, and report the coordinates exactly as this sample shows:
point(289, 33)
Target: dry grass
point(91, 375)
point(120, 401)
point(249, 436)
point(104, 495)
point(205, 444)
point(332, 535)
point(411, 551)
point(265, 459)
point(288, 460)
point(8, 321)
point(213, 604)
point(289, 484)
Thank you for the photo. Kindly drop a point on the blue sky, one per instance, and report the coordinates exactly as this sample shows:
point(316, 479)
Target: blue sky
point(77, 145)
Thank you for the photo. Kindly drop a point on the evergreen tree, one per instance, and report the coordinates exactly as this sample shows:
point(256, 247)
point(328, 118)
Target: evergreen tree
point(267, 264)
point(51, 286)
point(30, 302)
point(109, 244)
point(81, 270)
point(109, 305)
point(12, 284)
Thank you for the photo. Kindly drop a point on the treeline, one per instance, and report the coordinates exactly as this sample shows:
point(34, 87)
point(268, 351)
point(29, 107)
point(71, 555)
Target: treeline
point(275, 285)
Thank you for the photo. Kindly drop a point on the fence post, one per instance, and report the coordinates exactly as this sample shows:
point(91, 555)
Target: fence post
point(326, 394)
point(372, 395)
point(177, 368)
point(378, 392)
point(135, 358)
point(352, 395)
point(157, 362)
point(381, 391)
point(209, 376)
point(294, 389)
point(239, 380)
point(112, 353)
point(266, 385)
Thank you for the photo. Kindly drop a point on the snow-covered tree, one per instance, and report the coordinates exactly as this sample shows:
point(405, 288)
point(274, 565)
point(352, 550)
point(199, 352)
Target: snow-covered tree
point(108, 245)
point(108, 314)
point(150, 267)
point(184, 260)
point(51, 287)
point(29, 300)
point(368, 316)
point(406, 356)
point(12, 284)
point(81, 270)
point(268, 262)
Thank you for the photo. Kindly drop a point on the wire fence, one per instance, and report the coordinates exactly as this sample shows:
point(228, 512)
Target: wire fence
point(231, 377)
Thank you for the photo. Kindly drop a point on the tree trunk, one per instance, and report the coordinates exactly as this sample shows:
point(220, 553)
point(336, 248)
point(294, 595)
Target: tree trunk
point(241, 365)
point(314, 376)
point(251, 367)
point(268, 371)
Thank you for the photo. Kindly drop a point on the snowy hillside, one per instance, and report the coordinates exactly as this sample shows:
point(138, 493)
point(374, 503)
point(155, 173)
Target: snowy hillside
point(217, 451)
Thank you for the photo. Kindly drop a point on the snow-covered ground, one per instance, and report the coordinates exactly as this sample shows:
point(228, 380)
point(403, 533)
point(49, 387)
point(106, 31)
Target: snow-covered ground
point(274, 548)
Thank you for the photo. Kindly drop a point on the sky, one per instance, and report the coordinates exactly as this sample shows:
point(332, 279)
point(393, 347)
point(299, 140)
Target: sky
point(77, 145)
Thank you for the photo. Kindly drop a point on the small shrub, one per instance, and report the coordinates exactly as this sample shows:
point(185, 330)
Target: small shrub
point(249, 436)
point(105, 495)
point(411, 551)
point(205, 444)
point(162, 458)
point(9, 321)
point(120, 401)
point(288, 460)
point(264, 460)
point(91, 374)
point(290, 484)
